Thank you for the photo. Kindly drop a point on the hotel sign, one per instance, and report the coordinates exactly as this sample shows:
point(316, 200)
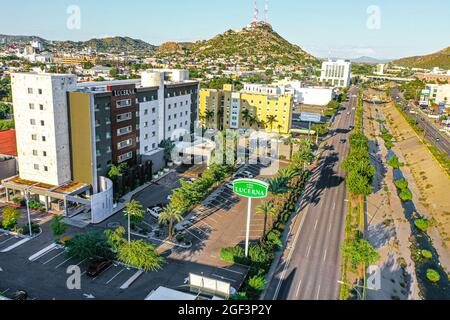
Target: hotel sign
point(123, 92)
point(250, 188)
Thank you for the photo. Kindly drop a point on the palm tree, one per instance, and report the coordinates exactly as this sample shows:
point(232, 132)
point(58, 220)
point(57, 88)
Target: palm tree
point(135, 213)
point(209, 115)
point(252, 121)
point(271, 120)
point(267, 210)
point(305, 155)
point(289, 173)
point(246, 116)
point(170, 214)
point(279, 129)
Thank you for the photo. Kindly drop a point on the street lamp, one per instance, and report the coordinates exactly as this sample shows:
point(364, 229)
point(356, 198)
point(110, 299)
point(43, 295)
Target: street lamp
point(27, 198)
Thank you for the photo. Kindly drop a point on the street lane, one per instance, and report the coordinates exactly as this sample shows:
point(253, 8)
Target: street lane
point(312, 270)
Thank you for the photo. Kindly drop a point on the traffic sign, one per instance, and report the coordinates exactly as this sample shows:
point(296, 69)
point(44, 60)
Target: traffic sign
point(250, 188)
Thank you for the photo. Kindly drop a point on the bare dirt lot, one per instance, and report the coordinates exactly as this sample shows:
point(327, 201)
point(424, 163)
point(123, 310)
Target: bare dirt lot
point(429, 184)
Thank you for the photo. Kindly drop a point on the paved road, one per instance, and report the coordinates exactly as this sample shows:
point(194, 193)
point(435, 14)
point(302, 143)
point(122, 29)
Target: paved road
point(439, 139)
point(312, 269)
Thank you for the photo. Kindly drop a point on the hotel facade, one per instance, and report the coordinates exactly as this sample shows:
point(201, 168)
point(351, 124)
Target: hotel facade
point(70, 134)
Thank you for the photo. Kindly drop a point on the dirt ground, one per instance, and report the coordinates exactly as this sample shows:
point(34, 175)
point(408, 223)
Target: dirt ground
point(387, 228)
point(429, 184)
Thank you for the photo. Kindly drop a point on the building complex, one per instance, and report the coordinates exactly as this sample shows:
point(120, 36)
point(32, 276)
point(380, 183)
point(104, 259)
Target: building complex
point(70, 134)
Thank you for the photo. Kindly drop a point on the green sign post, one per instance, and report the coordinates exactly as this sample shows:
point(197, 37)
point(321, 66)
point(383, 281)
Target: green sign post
point(251, 189)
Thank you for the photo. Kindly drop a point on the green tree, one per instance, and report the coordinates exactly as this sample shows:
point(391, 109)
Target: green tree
point(10, 217)
point(57, 226)
point(135, 210)
point(267, 209)
point(140, 254)
point(116, 238)
point(360, 251)
point(168, 147)
point(246, 116)
point(169, 215)
point(89, 245)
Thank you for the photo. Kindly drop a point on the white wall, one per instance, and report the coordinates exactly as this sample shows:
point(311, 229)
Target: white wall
point(177, 116)
point(148, 125)
point(314, 96)
point(55, 129)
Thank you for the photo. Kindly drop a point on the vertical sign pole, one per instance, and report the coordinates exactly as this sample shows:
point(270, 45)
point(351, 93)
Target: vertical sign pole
point(309, 130)
point(247, 238)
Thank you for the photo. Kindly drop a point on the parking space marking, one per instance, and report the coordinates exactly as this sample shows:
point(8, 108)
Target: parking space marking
point(224, 278)
point(229, 270)
point(59, 254)
point(62, 263)
point(43, 252)
point(104, 271)
point(109, 281)
point(131, 280)
point(9, 239)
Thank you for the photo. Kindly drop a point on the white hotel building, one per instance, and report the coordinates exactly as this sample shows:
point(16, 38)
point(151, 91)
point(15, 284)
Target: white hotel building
point(336, 73)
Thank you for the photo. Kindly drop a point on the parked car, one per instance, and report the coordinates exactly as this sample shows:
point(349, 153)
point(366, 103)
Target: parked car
point(248, 174)
point(229, 186)
point(21, 295)
point(155, 211)
point(97, 267)
point(343, 141)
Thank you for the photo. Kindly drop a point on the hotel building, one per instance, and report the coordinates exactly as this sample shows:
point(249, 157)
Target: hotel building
point(336, 73)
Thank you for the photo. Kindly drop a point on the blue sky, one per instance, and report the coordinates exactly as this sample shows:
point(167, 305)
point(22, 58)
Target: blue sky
point(322, 27)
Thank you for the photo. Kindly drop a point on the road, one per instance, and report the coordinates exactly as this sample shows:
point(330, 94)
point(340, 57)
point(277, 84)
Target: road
point(311, 267)
point(431, 131)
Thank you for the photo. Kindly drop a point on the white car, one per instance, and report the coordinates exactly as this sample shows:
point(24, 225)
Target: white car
point(229, 186)
point(169, 197)
point(155, 212)
point(248, 174)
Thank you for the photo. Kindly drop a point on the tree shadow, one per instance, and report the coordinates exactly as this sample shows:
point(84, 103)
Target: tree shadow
point(377, 161)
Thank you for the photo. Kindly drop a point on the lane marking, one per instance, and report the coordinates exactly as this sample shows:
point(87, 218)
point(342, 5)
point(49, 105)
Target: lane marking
point(318, 293)
point(62, 263)
point(43, 252)
point(298, 288)
point(325, 256)
point(309, 250)
point(315, 226)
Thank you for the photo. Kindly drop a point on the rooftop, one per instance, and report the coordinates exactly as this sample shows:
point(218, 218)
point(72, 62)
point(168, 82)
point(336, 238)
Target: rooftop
point(8, 145)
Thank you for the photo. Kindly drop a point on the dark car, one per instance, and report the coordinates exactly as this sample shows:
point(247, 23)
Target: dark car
point(97, 267)
point(343, 141)
point(21, 295)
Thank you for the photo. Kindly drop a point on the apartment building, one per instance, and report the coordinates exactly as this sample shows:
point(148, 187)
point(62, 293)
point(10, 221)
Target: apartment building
point(226, 109)
point(436, 93)
point(336, 73)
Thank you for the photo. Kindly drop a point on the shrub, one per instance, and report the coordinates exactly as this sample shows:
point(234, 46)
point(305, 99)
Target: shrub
point(422, 224)
point(433, 275)
point(427, 254)
point(257, 283)
point(234, 254)
point(274, 237)
point(401, 184)
point(394, 162)
point(258, 254)
point(57, 226)
point(35, 228)
point(10, 217)
point(18, 201)
point(406, 195)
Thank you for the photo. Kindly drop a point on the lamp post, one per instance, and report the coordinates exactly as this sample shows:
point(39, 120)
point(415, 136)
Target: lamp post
point(28, 211)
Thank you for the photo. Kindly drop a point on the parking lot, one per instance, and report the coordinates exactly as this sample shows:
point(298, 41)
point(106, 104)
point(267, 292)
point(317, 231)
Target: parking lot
point(55, 258)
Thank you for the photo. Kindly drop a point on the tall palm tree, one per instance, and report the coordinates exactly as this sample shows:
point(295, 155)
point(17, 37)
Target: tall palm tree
point(267, 210)
point(170, 214)
point(246, 116)
point(279, 129)
point(135, 213)
point(270, 121)
point(252, 121)
point(209, 115)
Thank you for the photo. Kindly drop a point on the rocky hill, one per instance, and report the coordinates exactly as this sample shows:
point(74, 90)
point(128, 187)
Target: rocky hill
point(259, 45)
point(169, 49)
point(439, 59)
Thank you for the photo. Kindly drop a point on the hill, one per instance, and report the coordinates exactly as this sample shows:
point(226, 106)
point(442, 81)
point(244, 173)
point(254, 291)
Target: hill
point(173, 48)
point(259, 45)
point(439, 59)
point(109, 45)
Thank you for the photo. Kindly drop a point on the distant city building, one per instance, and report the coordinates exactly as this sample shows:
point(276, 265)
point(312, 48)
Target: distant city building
point(434, 77)
point(436, 93)
point(336, 73)
point(227, 108)
point(380, 69)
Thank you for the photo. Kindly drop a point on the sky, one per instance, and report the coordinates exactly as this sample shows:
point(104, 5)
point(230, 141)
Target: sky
point(384, 29)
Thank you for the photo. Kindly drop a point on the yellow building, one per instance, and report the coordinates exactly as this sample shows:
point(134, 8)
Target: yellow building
point(229, 109)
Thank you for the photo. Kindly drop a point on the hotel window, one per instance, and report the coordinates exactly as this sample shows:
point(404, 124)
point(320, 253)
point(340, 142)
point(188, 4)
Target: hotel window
point(42, 123)
point(40, 91)
point(31, 106)
point(125, 144)
point(36, 167)
point(32, 122)
point(154, 145)
point(30, 90)
point(124, 116)
point(146, 124)
point(153, 110)
point(170, 106)
point(125, 130)
point(34, 137)
point(125, 157)
point(175, 105)
point(44, 153)
point(153, 122)
point(153, 134)
point(35, 152)
point(123, 103)
point(41, 107)
point(45, 168)
point(146, 136)
point(108, 135)
point(43, 138)
point(146, 112)
point(146, 149)
point(170, 128)
point(108, 150)
point(98, 153)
